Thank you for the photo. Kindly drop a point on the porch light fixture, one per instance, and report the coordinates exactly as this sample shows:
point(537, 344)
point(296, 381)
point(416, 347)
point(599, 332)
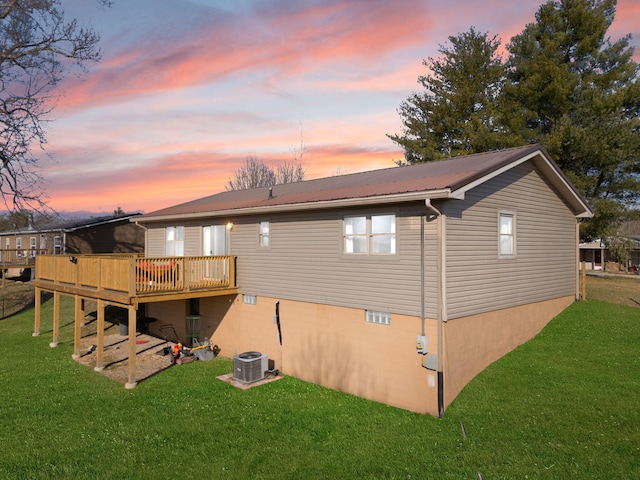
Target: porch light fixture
point(73, 259)
point(229, 226)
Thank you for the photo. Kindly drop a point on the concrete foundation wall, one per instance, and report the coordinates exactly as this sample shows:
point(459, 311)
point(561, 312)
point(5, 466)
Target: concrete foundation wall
point(335, 346)
point(472, 343)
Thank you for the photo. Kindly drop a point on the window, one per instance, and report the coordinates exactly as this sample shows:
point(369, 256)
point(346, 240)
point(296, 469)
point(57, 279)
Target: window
point(375, 234)
point(250, 299)
point(8, 243)
point(57, 244)
point(265, 231)
point(32, 246)
point(43, 241)
point(214, 241)
point(18, 243)
point(507, 234)
point(174, 246)
point(381, 318)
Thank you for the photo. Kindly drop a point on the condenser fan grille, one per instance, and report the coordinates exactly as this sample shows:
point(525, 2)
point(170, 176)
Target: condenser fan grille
point(249, 367)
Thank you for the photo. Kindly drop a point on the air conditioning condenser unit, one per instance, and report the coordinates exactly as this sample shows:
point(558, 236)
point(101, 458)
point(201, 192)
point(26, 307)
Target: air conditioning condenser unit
point(249, 367)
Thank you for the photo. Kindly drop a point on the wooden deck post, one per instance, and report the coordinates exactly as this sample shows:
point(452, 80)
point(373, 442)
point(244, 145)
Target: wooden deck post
point(100, 340)
point(78, 320)
point(131, 383)
point(56, 320)
point(36, 321)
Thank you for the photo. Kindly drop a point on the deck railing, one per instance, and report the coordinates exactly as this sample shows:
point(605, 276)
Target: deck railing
point(136, 275)
point(20, 256)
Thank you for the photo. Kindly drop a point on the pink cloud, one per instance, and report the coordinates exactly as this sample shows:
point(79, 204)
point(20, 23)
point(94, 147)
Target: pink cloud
point(281, 39)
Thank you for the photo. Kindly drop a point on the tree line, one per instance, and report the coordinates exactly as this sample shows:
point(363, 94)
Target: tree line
point(563, 84)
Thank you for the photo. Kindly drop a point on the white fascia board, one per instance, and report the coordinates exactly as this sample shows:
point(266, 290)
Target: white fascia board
point(298, 207)
point(558, 180)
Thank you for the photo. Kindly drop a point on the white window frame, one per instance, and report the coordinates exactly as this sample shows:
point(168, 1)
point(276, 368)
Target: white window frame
point(264, 234)
point(215, 240)
point(506, 234)
point(378, 317)
point(249, 299)
point(361, 236)
point(57, 244)
point(174, 241)
point(18, 243)
point(8, 243)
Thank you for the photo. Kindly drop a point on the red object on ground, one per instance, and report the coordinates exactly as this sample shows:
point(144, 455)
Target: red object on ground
point(140, 342)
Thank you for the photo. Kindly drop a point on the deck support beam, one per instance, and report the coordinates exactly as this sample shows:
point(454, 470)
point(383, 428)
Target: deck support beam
point(100, 337)
point(56, 320)
point(78, 321)
point(131, 383)
point(38, 310)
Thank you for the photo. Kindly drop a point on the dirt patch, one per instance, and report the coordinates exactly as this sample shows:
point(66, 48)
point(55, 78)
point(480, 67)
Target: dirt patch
point(150, 358)
point(15, 296)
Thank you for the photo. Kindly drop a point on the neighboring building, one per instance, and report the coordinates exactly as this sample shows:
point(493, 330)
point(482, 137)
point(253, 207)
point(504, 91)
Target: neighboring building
point(596, 256)
point(107, 234)
point(398, 285)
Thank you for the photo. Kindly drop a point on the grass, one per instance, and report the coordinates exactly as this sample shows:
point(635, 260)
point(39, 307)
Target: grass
point(564, 405)
point(620, 289)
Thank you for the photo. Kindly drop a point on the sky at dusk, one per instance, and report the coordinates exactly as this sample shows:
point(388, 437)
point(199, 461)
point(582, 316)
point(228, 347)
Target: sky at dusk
point(188, 89)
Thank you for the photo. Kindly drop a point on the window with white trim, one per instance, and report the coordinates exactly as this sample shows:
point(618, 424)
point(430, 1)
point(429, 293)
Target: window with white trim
point(265, 234)
point(371, 234)
point(8, 243)
point(18, 243)
point(506, 234)
point(381, 318)
point(57, 244)
point(250, 299)
point(174, 244)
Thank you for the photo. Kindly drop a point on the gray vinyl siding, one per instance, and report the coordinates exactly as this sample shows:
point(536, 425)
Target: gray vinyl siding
point(155, 241)
point(544, 265)
point(305, 262)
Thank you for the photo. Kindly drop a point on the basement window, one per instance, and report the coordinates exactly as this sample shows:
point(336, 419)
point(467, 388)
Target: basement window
point(381, 318)
point(250, 299)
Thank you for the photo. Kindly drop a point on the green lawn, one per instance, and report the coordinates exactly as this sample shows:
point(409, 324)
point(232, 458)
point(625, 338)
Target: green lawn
point(564, 405)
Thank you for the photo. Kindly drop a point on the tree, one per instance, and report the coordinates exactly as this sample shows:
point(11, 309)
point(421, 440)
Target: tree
point(255, 173)
point(458, 113)
point(37, 48)
point(566, 86)
point(579, 95)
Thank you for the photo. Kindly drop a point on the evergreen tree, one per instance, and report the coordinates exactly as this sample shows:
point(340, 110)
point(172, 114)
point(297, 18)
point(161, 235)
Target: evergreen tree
point(458, 112)
point(578, 94)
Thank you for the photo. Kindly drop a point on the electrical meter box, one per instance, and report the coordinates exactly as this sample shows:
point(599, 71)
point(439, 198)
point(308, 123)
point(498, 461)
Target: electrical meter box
point(422, 344)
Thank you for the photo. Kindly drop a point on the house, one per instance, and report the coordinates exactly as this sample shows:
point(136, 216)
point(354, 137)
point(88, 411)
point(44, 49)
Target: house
point(596, 255)
point(106, 234)
point(398, 285)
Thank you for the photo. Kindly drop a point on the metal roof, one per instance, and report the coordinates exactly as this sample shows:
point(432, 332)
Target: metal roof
point(448, 178)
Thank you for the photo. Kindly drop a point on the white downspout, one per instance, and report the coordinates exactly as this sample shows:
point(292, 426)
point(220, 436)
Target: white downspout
point(442, 299)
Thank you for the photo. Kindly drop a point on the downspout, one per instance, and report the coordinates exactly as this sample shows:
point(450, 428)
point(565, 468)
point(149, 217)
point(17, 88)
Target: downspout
point(442, 297)
point(578, 295)
point(146, 230)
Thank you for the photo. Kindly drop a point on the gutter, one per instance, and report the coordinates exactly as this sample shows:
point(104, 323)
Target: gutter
point(297, 207)
point(442, 298)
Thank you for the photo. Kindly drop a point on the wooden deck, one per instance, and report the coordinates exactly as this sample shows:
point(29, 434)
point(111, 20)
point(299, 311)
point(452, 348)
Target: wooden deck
point(133, 279)
point(126, 281)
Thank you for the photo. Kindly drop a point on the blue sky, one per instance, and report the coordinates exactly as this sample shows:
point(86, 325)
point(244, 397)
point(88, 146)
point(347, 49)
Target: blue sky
point(188, 89)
